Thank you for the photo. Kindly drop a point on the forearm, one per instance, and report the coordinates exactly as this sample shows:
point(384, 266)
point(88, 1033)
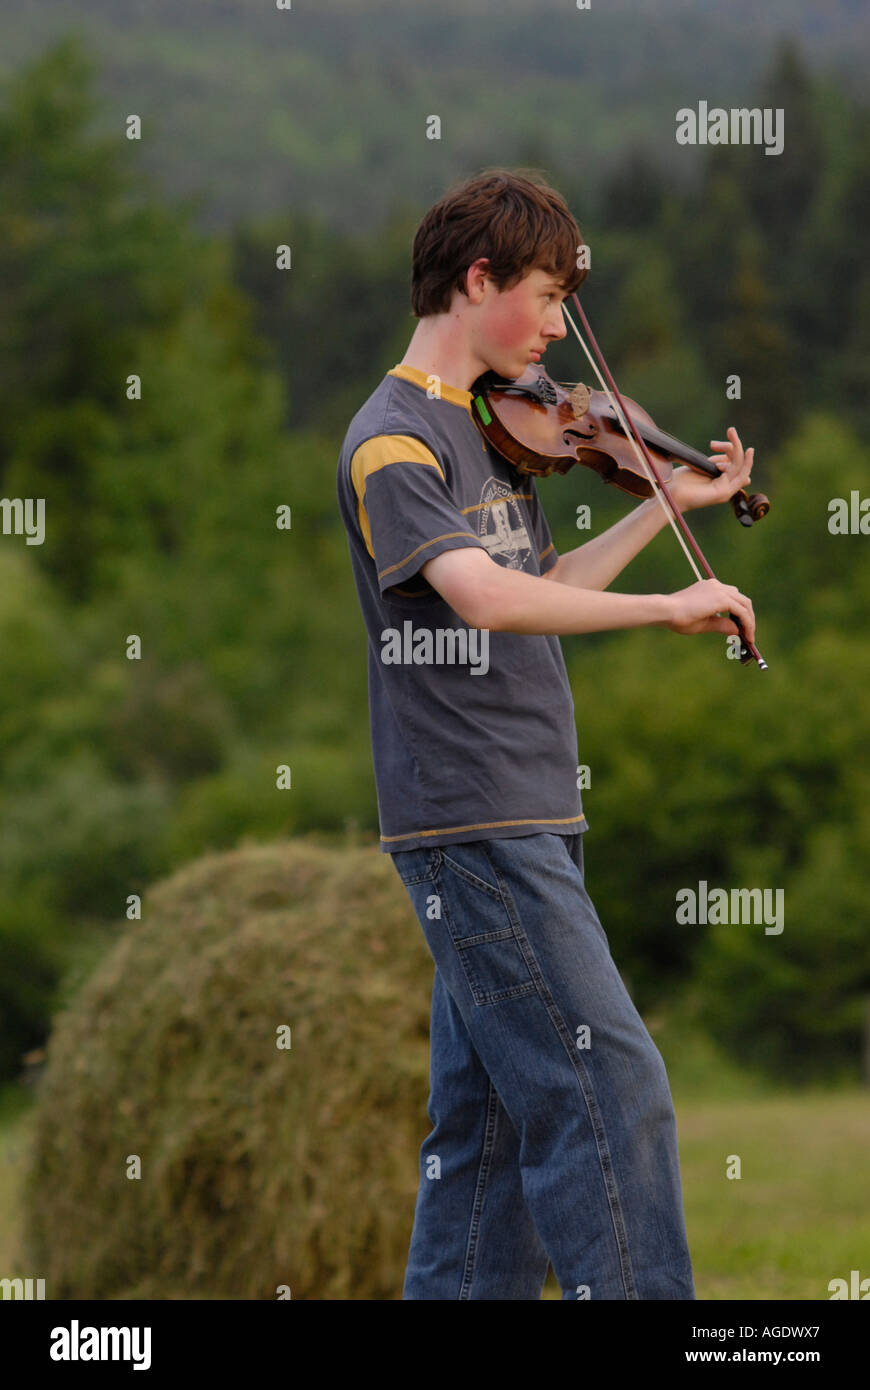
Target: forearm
point(596, 564)
point(526, 603)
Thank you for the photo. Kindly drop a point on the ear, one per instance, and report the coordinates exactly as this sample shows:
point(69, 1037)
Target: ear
point(476, 278)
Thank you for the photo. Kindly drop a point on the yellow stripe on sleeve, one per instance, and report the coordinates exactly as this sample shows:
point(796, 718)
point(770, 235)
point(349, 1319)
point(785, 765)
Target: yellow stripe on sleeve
point(377, 453)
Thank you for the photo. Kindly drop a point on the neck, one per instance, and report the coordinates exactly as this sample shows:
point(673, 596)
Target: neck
point(439, 347)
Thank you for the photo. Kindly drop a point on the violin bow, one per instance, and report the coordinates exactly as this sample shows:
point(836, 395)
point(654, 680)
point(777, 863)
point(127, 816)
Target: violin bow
point(748, 650)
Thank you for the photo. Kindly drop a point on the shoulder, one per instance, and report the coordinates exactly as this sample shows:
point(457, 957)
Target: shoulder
point(381, 450)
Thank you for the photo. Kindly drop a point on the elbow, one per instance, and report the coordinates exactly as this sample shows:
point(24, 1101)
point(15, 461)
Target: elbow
point(486, 612)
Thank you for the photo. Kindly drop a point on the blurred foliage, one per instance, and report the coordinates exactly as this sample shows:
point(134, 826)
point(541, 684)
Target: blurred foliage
point(324, 106)
point(161, 526)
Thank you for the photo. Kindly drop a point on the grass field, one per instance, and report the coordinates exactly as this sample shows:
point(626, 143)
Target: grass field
point(799, 1214)
point(797, 1217)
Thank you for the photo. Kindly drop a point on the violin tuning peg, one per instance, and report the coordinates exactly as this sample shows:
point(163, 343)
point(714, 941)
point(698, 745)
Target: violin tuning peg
point(740, 505)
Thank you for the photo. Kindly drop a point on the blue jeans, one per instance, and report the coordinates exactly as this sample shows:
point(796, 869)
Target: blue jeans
point(554, 1136)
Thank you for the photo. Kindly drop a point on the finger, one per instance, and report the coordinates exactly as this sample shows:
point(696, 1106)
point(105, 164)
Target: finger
point(741, 607)
point(718, 624)
point(739, 603)
point(746, 629)
point(731, 451)
point(747, 618)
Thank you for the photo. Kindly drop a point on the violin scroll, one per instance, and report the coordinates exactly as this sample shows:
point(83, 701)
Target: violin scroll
point(749, 509)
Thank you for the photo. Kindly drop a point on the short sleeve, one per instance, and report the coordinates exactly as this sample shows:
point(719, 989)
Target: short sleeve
point(545, 549)
point(407, 513)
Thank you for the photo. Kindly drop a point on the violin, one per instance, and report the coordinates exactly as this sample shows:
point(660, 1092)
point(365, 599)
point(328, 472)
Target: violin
point(543, 426)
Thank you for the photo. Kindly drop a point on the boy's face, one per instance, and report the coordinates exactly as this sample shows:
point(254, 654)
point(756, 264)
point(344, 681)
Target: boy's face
point(507, 326)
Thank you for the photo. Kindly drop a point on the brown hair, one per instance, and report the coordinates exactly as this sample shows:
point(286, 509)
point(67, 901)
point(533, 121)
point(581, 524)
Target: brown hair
point(511, 216)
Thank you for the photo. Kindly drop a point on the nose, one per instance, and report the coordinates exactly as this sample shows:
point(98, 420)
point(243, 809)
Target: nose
point(557, 327)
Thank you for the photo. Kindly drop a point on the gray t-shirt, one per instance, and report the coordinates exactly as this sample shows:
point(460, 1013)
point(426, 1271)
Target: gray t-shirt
point(473, 732)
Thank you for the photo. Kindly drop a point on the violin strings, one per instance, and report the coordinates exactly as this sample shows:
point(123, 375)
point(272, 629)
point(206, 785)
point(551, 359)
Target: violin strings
point(624, 423)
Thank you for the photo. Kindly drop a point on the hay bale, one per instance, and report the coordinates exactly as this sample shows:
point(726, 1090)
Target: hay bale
point(260, 1166)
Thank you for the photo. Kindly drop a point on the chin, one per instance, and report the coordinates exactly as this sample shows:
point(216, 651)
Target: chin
point(509, 371)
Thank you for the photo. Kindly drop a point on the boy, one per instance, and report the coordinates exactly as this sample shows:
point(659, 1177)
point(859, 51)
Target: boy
point(554, 1134)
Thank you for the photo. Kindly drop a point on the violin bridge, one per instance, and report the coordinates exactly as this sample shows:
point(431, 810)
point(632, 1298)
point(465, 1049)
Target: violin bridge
point(579, 397)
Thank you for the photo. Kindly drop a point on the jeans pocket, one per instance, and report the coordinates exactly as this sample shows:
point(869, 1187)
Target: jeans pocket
point(482, 927)
point(416, 865)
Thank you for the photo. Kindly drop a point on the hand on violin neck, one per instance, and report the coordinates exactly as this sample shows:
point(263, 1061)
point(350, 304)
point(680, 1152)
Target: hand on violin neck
point(691, 489)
